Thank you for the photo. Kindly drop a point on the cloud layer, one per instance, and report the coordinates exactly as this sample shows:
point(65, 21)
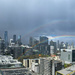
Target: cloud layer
point(31, 17)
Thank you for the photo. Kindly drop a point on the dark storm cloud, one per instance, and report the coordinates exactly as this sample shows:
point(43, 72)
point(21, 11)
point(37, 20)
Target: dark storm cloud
point(25, 16)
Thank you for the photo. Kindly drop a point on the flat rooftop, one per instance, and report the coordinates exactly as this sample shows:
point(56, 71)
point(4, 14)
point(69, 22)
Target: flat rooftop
point(68, 70)
point(67, 49)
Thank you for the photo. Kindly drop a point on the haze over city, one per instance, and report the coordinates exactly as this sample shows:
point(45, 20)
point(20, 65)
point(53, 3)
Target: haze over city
point(37, 37)
point(37, 17)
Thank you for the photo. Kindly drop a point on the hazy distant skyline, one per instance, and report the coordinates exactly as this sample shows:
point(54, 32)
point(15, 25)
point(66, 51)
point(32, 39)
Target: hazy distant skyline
point(37, 17)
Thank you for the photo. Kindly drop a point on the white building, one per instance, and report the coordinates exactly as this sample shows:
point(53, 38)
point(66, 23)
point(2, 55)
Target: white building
point(43, 65)
point(68, 55)
point(9, 62)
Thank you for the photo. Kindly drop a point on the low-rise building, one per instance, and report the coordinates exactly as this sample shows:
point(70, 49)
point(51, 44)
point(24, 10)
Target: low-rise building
point(32, 64)
point(67, 71)
point(43, 65)
point(10, 66)
point(68, 55)
point(9, 62)
point(17, 71)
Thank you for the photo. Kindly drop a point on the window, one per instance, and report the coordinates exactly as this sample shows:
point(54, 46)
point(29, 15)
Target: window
point(68, 56)
point(36, 61)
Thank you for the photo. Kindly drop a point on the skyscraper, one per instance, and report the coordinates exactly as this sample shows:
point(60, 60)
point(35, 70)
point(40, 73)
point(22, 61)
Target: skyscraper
point(44, 40)
point(43, 45)
point(6, 38)
point(14, 38)
point(19, 40)
point(62, 45)
point(2, 46)
point(31, 41)
point(53, 47)
point(58, 45)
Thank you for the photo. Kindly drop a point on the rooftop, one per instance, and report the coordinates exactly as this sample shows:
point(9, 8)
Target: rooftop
point(68, 70)
point(67, 49)
point(5, 61)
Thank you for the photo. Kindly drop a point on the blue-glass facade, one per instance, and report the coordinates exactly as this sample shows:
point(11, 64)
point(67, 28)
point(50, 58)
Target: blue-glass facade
point(6, 38)
point(14, 38)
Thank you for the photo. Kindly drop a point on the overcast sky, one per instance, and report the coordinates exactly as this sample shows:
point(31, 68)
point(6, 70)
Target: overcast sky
point(37, 17)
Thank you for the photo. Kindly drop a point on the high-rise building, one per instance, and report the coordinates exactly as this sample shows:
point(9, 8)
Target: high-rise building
point(44, 49)
point(53, 47)
point(43, 45)
point(66, 45)
point(19, 37)
point(43, 40)
point(58, 44)
point(14, 38)
point(49, 66)
point(19, 40)
point(2, 46)
point(62, 45)
point(31, 41)
point(6, 38)
point(72, 45)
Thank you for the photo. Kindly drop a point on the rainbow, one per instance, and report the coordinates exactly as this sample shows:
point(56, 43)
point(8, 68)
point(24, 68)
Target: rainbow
point(62, 36)
point(44, 25)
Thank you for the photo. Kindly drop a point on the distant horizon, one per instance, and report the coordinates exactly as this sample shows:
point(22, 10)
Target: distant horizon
point(64, 38)
point(36, 17)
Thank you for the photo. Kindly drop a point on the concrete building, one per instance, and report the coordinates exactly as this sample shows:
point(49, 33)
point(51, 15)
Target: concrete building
point(11, 42)
point(68, 55)
point(56, 65)
point(2, 46)
point(16, 51)
point(44, 66)
point(72, 45)
point(66, 44)
point(31, 41)
point(14, 38)
point(9, 62)
point(27, 50)
point(53, 47)
point(17, 71)
point(58, 45)
point(67, 71)
point(62, 45)
point(32, 64)
point(44, 49)
point(49, 66)
point(10, 66)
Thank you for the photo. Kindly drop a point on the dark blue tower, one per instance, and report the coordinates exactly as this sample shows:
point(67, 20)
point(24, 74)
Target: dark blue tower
point(14, 38)
point(6, 38)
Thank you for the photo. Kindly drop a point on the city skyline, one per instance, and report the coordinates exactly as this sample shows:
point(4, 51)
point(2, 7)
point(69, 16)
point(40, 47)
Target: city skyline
point(37, 37)
point(64, 38)
point(35, 17)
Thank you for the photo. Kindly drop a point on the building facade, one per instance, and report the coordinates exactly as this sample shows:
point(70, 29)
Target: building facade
point(67, 71)
point(43, 66)
point(6, 38)
point(53, 47)
point(14, 38)
point(68, 55)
